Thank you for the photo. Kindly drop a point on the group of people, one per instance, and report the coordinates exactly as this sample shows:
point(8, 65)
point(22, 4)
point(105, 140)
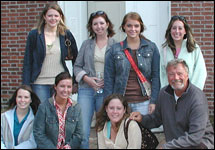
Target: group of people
point(137, 81)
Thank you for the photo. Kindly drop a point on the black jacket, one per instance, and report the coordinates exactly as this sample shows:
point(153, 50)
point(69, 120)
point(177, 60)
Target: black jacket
point(35, 52)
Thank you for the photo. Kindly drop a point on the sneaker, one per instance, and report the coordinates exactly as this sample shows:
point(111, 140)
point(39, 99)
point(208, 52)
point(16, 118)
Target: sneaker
point(157, 130)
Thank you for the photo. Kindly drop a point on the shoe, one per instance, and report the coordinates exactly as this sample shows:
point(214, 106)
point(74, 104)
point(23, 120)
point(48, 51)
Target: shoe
point(157, 130)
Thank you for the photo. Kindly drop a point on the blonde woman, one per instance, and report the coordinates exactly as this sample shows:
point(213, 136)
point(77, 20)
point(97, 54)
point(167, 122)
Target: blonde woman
point(46, 51)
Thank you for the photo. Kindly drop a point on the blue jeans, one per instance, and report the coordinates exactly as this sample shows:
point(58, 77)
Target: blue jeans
point(141, 107)
point(44, 92)
point(89, 101)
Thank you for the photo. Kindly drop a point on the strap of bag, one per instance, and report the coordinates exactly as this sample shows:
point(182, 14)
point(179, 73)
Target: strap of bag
point(126, 130)
point(146, 84)
point(68, 44)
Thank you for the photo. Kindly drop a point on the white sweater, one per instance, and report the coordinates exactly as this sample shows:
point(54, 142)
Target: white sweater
point(134, 138)
point(25, 138)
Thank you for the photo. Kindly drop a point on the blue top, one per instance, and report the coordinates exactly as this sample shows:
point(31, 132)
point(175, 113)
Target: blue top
point(108, 129)
point(18, 126)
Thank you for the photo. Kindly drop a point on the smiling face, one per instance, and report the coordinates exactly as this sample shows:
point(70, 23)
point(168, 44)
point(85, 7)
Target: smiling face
point(23, 99)
point(115, 110)
point(99, 26)
point(177, 77)
point(63, 89)
point(132, 28)
point(178, 30)
point(52, 18)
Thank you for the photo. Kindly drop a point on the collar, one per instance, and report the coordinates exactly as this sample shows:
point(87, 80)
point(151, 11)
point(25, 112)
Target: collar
point(142, 44)
point(169, 90)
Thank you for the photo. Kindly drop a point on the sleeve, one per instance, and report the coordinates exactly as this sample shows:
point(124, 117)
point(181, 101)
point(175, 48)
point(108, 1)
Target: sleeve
point(199, 66)
point(28, 58)
point(76, 139)
point(101, 140)
point(29, 144)
point(79, 63)
point(109, 73)
point(197, 126)
point(3, 146)
point(134, 136)
point(155, 67)
point(163, 63)
point(153, 120)
point(39, 129)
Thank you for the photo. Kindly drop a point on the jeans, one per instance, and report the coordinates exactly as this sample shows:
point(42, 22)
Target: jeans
point(141, 107)
point(44, 92)
point(89, 101)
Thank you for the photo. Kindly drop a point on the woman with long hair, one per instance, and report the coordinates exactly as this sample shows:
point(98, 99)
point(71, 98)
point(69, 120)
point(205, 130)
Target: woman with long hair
point(46, 51)
point(180, 43)
point(17, 120)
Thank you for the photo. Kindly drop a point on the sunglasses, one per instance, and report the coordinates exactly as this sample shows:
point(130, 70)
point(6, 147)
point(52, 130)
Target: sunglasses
point(179, 17)
point(97, 13)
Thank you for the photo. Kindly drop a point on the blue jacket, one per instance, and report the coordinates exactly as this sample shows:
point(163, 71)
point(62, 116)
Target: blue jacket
point(35, 52)
point(46, 126)
point(117, 68)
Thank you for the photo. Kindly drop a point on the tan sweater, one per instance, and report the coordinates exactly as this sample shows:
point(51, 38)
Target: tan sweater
point(52, 65)
point(134, 138)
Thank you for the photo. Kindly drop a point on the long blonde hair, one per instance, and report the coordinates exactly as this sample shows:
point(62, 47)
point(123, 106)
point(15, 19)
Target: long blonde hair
point(61, 28)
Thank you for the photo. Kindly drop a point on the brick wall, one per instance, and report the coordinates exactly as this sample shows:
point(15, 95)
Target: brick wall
point(18, 17)
point(200, 16)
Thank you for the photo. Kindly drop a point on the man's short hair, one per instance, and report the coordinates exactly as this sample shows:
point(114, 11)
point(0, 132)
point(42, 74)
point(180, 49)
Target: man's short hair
point(175, 62)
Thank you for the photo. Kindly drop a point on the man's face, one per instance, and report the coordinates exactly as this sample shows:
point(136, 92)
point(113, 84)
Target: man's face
point(177, 77)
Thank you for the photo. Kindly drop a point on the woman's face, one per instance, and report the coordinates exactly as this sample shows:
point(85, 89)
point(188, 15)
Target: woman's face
point(23, 99)
point(178, 30)
point(115, 110)
point(99, 26)
point(132, 28)
point(63, 89)
point(52, 18)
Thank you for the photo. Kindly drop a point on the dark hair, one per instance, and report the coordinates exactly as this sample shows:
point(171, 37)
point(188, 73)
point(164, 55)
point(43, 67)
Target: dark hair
point(189, 35)
point(62, 76)
point(61, 26)
point(102, 117)
point(96, 15)
point(35, 99)
point(134, 16)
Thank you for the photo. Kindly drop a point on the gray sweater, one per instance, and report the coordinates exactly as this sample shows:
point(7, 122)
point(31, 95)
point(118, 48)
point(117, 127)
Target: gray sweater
point(186, 123)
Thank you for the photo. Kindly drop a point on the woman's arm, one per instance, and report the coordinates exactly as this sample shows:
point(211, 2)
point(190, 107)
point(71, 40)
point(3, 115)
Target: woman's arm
point(39, 129)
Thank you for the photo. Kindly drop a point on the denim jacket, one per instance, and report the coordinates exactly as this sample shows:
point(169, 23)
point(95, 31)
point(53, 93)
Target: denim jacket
point(46, 126)
point(117, 68)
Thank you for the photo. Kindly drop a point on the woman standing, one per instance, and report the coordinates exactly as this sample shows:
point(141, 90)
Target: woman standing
point(46, 51)
point(120, 76)
point(181, 44)
point(90, 62)
point(110, 125)
point(17, 121)
point(58, 122)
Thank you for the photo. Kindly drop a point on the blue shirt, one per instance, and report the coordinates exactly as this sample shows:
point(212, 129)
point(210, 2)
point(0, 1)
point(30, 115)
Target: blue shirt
point(18, 126)
point(108, 129)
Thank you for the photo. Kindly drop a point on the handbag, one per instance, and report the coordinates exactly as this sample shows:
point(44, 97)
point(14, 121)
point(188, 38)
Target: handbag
point(68, 59)
point(68, 62)
point(149, 140)
point(143, 80)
